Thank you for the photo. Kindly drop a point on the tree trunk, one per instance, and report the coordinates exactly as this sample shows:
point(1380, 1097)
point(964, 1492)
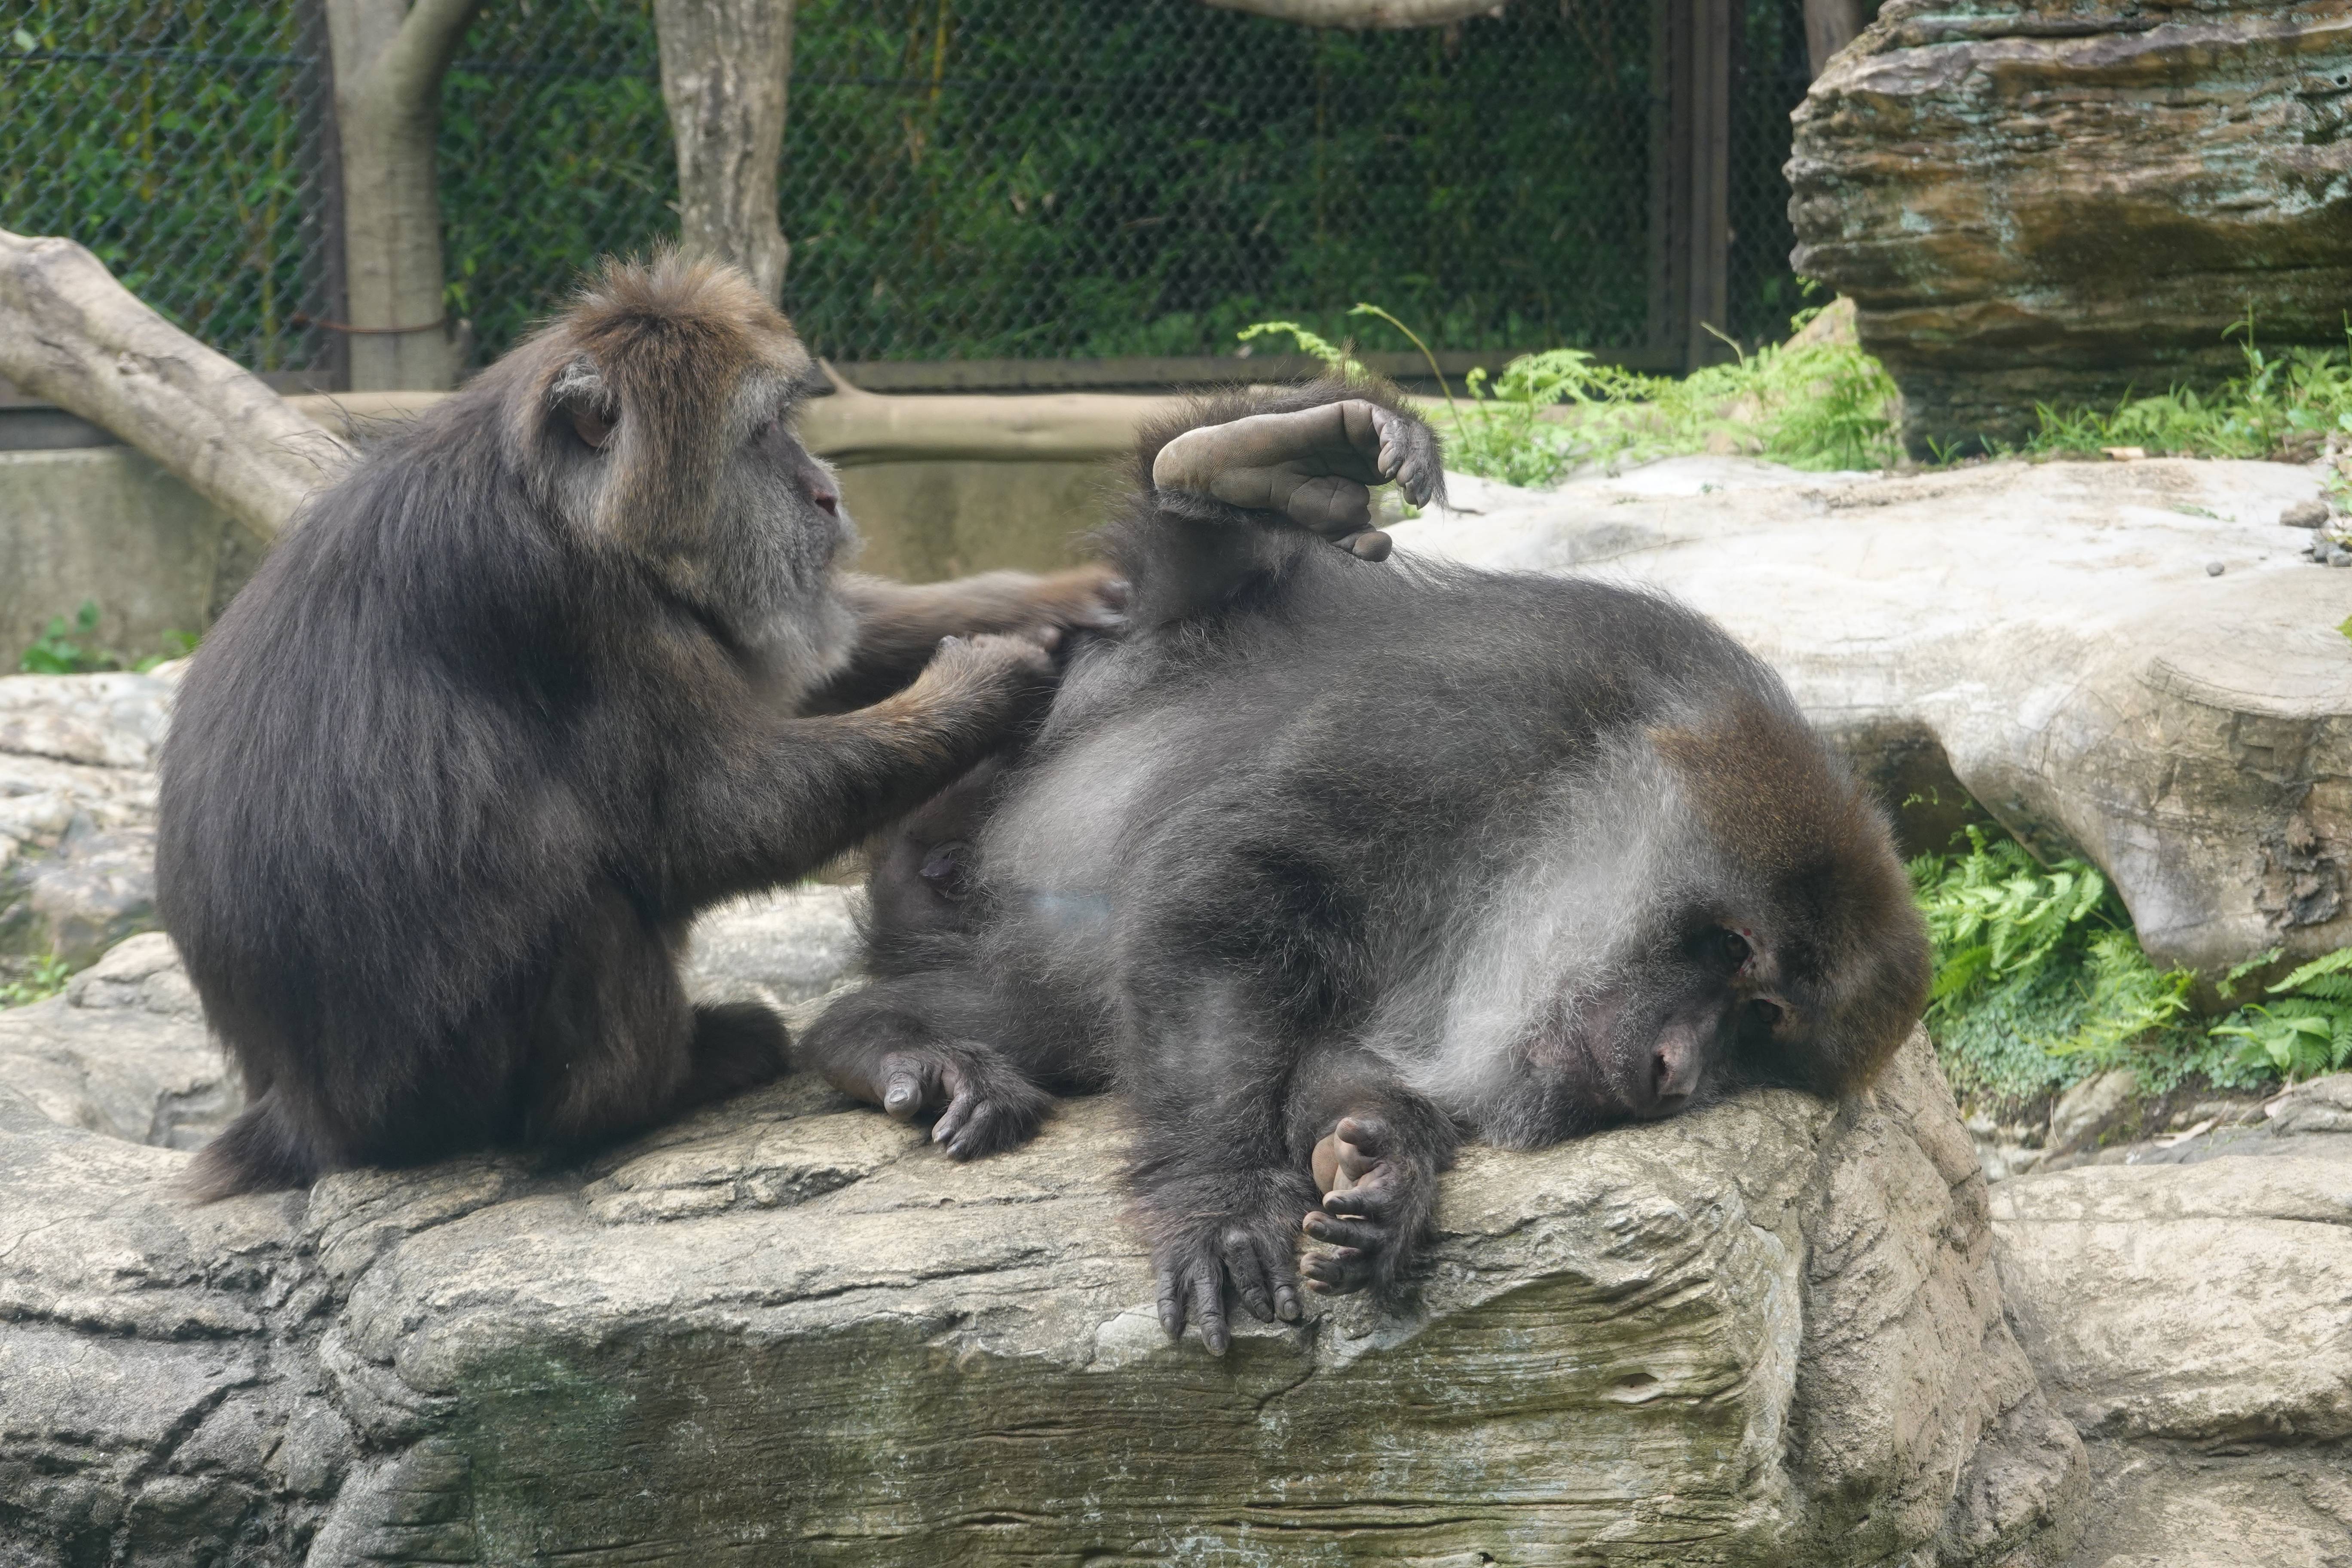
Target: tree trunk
point(1366, 13)
point(389, 60)
point(1830, 25)
point(70, 333)
point(725, 64)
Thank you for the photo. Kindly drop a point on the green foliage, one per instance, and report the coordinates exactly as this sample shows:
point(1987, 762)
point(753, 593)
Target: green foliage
point(1816, 406)
point(167, 136)
point(46, 977)
point(2040, 982)
point(2307, 1029)
point(2279, 399)
point(73, 648)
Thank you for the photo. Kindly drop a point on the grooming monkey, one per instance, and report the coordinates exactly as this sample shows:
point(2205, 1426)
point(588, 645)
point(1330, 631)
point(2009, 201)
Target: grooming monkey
point(566, 661)
point(1326, 863)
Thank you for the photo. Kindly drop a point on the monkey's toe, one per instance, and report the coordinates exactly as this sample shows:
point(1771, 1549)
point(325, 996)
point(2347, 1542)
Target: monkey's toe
point(1341, 1271)
point(1358, 1234)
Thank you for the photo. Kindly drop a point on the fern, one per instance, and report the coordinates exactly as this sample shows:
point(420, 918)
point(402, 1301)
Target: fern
point(2308, 1029)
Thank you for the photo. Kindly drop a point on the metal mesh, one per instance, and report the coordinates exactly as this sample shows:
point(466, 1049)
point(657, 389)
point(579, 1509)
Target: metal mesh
point(970, 179)
point(1010, 178)
point(179, 140)
point(1770, 73)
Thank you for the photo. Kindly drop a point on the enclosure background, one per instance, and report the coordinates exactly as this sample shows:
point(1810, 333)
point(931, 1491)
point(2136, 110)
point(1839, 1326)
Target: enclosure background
point(961, 178)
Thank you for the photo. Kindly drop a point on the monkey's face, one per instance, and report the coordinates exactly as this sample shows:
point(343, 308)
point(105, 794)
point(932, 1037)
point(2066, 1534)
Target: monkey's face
point(661, 427)
point(1648, 1038)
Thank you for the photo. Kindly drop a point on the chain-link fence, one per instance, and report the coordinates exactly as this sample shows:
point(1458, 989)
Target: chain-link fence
point(962, 179)
point(185, 144)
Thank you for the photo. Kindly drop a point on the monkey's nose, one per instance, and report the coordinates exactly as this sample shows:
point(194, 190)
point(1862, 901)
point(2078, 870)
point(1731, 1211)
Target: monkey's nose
point(828, 500)
point(1674, 1073)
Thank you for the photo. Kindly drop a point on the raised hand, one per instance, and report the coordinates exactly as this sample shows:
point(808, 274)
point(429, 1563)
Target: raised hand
point(1314, 467)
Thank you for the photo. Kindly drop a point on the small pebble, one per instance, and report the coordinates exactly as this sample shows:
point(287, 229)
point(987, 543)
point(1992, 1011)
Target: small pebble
point(2312, 514)
point(2340, 558)
point(2214, 569)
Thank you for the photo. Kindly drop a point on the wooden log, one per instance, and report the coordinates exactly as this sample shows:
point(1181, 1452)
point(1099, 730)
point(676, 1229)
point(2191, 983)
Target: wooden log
point(70, 333)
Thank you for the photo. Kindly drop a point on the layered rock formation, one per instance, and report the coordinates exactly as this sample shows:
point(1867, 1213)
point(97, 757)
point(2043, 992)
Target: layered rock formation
point(789, 1331)
point(2188, 1314)
point(2056, 201)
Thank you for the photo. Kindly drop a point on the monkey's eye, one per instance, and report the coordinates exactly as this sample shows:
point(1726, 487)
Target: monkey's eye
point(1766, 1014)
point(1732, 949)
point(593, 428)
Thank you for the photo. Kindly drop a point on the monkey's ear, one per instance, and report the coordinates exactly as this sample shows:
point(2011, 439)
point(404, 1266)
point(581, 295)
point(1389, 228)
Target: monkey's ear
point(581, 397)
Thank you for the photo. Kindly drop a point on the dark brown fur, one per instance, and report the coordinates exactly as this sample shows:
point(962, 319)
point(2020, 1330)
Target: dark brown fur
point(1326, 864)
point(561, 665)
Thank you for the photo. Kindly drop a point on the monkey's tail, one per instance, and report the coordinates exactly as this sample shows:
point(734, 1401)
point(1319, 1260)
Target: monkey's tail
point(264, 1150)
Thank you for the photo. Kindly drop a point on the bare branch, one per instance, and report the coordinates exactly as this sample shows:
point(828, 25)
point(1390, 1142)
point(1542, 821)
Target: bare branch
point(70, 333)
point(1366, 13)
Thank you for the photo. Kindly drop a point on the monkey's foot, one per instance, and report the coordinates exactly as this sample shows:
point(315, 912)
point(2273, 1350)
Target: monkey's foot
point(1197, 1257)
point(983, 1103)
point(1375, 1205)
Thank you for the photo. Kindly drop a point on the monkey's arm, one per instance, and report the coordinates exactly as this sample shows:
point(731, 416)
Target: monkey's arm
point(1240, 499)
point(805, 789)
point(900, 626)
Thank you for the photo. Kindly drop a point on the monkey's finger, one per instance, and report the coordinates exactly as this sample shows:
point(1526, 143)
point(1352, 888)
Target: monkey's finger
point(1171, 1301)
point(1338, 1272)
point(907, 1084)
point(1247, 1273)
point(1209, 1304)
point(1403, 460)
point(1338, 1231)
point(1374, 1200)
point(1372, 544)
point(1286, 1304)
point(1278, 1257)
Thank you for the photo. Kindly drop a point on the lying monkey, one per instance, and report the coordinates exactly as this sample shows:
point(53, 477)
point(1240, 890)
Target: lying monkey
point(1326, 863)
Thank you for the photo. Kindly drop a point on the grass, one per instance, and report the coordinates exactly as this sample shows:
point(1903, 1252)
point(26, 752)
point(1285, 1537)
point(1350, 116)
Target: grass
point(1824, 403)
point(2040, 982)
point(1818, 405)
point(2280, 403)
point(74, 649)
point(44, 979)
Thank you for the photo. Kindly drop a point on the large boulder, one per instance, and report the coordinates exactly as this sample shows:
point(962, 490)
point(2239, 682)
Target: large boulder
point(787, 1330)
point(2053, 201)
point(77, 811)
point(2055, 639)
point(2187, 1310)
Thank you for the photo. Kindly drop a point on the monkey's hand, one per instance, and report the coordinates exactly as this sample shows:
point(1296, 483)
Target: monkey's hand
point(984, 1104)
point(1376, 1204)
point(1199, 1249)
point(1000, 678)
point(1092, 597)
point(1314, 467)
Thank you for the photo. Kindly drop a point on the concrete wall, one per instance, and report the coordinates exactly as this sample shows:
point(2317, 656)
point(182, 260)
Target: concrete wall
point(105, 523)
point(924, 521)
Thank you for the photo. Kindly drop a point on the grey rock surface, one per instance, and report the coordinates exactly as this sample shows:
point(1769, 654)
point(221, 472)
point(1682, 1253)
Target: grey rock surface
point(77, 810)
point(789, 947)
point(2188, 1313)
point(124, 1052)
point(786, 1329)
point(2089, 1109)
point(2043, 636)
